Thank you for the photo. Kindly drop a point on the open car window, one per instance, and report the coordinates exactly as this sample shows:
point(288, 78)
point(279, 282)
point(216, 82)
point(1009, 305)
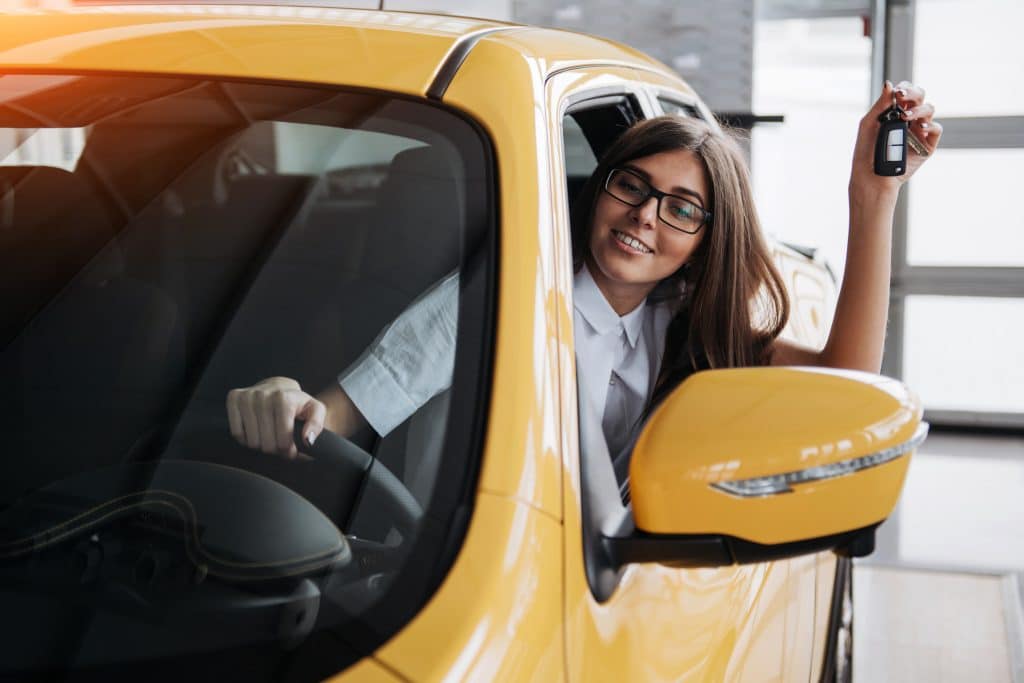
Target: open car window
point(589, 127)
point(162, 241)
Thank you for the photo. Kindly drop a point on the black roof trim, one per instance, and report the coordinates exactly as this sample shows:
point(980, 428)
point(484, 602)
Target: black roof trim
point(455, 58)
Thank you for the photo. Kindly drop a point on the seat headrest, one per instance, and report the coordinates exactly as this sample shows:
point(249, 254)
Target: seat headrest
point(420, 219)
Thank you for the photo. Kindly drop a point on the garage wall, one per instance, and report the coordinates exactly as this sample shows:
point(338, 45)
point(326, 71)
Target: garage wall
point(709, 42)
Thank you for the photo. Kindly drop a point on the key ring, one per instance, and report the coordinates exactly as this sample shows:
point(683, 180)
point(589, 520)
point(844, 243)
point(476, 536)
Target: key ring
point(893, 113)
point(895, 105)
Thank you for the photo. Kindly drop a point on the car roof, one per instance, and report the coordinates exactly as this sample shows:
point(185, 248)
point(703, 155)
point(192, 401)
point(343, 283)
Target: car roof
point(396, 51)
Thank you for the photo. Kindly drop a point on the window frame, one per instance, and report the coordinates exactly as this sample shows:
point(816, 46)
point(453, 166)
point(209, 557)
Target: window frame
point(601, 506)
point(896, 35)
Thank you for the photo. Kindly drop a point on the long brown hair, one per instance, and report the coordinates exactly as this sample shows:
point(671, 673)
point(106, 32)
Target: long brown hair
point(729, 299)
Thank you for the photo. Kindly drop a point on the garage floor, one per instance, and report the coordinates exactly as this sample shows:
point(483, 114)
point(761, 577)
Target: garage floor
point(941, 598)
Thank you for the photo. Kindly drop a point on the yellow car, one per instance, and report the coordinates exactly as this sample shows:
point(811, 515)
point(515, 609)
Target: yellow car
point(196, 197)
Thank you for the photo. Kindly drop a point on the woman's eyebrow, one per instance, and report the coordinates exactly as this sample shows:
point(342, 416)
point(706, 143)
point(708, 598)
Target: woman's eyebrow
point(675, 190)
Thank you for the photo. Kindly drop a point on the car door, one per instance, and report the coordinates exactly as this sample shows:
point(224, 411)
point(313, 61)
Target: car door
point(649, 622)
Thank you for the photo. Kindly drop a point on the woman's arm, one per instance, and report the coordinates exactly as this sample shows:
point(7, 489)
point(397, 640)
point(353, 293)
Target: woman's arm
point(410, 362)
point(857, 335)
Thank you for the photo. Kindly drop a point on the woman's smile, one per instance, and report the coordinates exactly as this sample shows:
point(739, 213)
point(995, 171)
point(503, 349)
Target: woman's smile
point(630, 244)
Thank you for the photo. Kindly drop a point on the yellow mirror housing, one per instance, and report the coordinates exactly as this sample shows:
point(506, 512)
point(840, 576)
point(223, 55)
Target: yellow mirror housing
point(774, 455)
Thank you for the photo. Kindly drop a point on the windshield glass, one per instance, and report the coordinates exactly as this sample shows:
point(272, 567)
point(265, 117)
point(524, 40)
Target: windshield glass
point(162, 242)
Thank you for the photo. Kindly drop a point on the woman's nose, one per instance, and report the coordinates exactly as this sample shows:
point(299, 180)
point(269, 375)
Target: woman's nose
point(646, 214)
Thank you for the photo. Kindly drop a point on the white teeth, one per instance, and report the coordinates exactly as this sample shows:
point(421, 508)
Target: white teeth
point(631, 242)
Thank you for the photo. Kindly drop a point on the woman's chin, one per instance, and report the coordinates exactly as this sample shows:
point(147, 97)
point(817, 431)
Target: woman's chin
point(632, 269)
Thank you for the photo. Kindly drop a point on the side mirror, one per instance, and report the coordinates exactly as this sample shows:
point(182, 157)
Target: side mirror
point(755, 464)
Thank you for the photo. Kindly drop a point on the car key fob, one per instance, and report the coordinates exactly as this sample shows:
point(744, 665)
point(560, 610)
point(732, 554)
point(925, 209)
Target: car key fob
point(891, 144)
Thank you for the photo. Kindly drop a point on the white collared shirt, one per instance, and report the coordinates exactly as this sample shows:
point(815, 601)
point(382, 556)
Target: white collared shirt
point(410, 361)
point(617, 360)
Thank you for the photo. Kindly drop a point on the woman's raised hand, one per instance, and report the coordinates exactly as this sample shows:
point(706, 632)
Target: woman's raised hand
point(919, 117)
point(263, 416)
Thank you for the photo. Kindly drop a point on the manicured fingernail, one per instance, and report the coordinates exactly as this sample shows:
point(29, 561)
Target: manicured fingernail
point(310, 438)
point(924, 124)
point(909, 114)
point(901, 92)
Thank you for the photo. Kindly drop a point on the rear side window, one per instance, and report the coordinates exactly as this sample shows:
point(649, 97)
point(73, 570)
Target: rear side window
point(163, 241)
point(579, 156)
point(589, 127)
point(672, 107)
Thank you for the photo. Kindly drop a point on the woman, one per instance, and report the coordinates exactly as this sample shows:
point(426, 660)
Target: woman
point(672, 276)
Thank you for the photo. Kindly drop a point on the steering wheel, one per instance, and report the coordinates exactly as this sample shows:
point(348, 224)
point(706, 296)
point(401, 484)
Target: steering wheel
point(358, 477)
point(181, 538)
point(338, 477)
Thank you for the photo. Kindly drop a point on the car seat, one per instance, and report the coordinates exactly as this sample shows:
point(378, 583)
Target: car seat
point(85, 345)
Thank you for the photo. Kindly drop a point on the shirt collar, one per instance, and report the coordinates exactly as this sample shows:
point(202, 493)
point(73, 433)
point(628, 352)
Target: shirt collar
point(633, 323)
point(599, 314)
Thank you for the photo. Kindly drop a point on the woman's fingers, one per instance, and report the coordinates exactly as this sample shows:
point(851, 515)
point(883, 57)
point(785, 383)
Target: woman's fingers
point(909, 95)
point(314, 413)
point(883, 102)
point(863, 154)
point(263, 402)
point(917, 112)
point(920, 122)
point(927, 133)
point(250, 419)
point(922, 112)
point(262, 417)
point(920, 118)
point(284, 419)
point(235, 415)
point(922, 128)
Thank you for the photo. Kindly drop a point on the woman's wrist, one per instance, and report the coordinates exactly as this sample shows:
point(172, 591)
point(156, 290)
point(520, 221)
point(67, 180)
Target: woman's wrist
point(880, 195)
point(872, 209)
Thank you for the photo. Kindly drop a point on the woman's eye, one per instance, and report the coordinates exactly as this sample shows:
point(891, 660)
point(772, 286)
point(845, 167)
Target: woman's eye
point(631, 187)
point(681, 209)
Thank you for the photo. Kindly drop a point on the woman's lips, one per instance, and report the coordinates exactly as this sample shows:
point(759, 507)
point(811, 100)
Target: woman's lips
point(630, 244)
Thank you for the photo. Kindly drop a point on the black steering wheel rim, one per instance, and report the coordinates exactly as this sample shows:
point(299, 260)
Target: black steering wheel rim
point(360, 477)
point(338, 476)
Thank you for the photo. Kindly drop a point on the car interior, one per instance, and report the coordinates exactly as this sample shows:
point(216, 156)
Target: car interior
point(270, 231)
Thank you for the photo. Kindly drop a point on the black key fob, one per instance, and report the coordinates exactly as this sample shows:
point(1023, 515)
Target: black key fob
point(891, 145)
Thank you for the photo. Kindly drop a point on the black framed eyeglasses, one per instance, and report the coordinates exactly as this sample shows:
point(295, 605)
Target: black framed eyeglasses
point(674, 211)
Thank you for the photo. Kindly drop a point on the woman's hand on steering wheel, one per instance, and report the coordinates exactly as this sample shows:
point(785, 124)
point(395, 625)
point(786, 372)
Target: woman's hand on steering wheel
point(263, 416)
point(277, 416)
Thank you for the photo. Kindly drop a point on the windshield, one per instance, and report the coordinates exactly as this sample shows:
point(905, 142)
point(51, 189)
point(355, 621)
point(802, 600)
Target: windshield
point(163, 241)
